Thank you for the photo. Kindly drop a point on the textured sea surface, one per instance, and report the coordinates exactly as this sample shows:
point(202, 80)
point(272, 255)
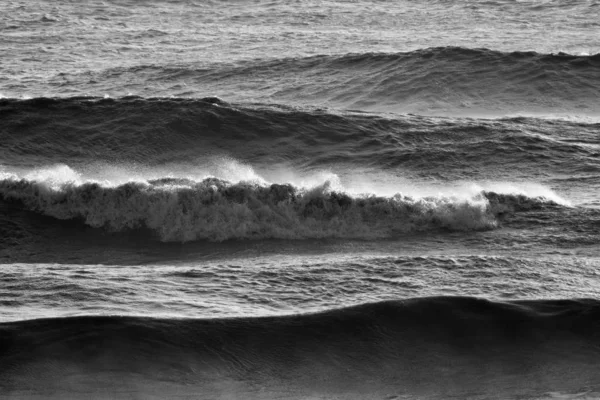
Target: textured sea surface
point(300, 199)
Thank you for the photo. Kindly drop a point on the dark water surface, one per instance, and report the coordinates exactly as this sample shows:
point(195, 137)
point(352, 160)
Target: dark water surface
point(299, 200)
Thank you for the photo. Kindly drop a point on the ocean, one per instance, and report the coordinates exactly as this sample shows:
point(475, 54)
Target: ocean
point(312, 199)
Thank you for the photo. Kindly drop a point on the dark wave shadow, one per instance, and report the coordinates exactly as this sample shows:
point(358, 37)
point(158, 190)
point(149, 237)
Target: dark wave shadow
point(439, 347)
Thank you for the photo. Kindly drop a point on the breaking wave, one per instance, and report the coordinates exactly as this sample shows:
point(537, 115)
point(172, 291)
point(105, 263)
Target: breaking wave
point(179, 209)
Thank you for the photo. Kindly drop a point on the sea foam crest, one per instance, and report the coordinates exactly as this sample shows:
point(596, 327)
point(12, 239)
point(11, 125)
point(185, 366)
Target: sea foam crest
point(180, 209)
point(213, 209)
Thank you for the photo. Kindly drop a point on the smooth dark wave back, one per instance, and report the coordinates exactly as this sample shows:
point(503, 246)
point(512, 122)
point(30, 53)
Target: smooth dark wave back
point(158, 131)
point(433, 81)
point(435, 347)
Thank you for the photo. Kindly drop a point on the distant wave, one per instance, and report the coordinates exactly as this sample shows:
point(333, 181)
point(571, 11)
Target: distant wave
point(443, 81)
point(424, 347)
point(158, 131)
point(214, 209)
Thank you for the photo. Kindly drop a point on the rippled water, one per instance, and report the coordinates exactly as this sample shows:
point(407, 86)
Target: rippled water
point(179, 162)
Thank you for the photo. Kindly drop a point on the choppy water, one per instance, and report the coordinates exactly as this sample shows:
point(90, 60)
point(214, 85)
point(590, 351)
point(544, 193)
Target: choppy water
point(209, 168)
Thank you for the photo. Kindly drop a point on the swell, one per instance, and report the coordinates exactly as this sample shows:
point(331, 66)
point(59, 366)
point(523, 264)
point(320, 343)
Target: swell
point(426, 347)
point(214, 209)
point(158, 131)
point(431, 81)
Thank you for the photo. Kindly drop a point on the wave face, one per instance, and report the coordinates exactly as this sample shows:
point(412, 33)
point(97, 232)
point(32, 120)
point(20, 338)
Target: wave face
point(162, 131)
point(429, 348)
point(213, 209)
point(434, 81)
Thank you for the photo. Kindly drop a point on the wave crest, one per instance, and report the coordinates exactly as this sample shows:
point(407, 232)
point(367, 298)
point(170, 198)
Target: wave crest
point(215, 209)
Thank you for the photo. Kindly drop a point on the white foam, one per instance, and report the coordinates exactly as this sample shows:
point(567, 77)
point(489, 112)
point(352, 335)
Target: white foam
point(225, 199)
point(55, 176)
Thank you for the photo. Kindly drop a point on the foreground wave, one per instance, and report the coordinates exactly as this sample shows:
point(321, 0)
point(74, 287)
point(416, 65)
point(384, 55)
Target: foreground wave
point(435, 347)
point(215, 209)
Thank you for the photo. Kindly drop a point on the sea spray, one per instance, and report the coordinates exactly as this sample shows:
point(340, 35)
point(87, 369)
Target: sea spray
point(179, 209)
